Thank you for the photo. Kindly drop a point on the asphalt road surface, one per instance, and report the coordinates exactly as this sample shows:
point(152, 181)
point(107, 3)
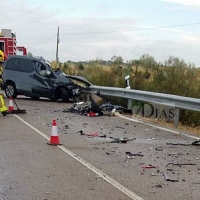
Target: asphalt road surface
point(150, 162)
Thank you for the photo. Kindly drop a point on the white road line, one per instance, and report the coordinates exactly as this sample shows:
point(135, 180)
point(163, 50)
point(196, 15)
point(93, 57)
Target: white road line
point(88, 165)
point(161, 128)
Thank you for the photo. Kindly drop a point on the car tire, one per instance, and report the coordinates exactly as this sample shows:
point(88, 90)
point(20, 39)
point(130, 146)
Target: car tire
point(64, 95)
point(10, 90)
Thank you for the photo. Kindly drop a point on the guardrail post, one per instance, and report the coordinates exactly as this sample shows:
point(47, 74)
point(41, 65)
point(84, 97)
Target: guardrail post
point(129, 103)
point(176, 117)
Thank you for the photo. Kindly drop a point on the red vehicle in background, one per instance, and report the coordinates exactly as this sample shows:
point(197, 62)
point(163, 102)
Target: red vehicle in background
point(8, 43)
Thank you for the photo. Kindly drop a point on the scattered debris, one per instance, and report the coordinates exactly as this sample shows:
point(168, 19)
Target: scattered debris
point(195, 143)
point(113, 140)
point(102, 136)
point(152, 174)
point(119, 127)
point(148, 166)
point(108, 108)
point(130, 157)
point(121, 140)
point(180, 164)
point(178, 144)
point(48, 124)
point(94, 134)
point(93, 114)
point(167, 178)
point(110, 152)
point(158, 186)
point(96, 106)
point(81, 132)
point(134, 154)
point(173, 154)
point(159, 149)
point(151, 139)
point(66, 127)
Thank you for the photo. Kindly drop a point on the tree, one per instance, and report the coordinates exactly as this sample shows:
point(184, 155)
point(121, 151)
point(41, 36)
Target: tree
point(135, 62)
point(147, 61)
point(117, 59)
point(175, 62)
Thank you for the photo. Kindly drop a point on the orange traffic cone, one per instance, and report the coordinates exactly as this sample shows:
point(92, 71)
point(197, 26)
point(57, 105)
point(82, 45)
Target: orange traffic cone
point(10, 105)
point(54, 140)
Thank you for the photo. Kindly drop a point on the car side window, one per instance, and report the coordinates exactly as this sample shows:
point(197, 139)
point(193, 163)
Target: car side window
point(21, 65)
point(40, 68)
point(26, 66)
point(13, 64)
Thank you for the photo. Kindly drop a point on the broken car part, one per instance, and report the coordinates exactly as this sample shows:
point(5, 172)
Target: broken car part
point(148, 166)
point(134, 154)
point(180, 164)
point(167, 178)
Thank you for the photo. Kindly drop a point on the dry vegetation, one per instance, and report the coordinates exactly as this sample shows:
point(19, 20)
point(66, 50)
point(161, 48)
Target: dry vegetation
point(174, 76)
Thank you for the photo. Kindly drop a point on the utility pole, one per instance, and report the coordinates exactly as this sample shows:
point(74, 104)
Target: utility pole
point(58, 40)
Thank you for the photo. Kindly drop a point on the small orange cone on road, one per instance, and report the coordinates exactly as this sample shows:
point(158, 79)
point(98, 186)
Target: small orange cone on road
point(10, 105)
point(54, 140)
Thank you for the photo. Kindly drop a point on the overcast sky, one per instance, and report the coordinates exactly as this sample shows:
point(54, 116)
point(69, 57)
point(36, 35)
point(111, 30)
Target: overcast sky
point(100, 29)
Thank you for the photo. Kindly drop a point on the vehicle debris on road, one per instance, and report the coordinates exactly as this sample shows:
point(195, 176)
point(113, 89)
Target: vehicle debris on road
point(167, 178)
point(159, 148)
point(148, 166)
point(104, 137)
point(94, 134)
point(134, 154)
point(96, 106)
point(180, 164)
point(195, 143)
point(121, 140)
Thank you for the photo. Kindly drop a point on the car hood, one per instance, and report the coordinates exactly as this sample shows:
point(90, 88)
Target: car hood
point(78, 80)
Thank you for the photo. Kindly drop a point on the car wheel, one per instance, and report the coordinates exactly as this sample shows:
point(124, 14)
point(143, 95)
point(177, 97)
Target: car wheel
point(64, 95)
point(10, 90)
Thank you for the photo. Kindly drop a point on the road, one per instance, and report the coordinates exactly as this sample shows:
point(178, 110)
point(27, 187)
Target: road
point(91, 168)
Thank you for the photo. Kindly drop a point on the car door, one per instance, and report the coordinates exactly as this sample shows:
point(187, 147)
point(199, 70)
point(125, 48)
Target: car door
point(25, 72)
point(42, 82)
point(11, 71)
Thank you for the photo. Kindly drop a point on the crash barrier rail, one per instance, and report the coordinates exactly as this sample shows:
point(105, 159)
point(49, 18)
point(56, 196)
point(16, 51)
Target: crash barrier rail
point(178, 102)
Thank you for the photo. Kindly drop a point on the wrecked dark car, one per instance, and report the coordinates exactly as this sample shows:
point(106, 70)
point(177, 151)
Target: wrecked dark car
point(30, 76)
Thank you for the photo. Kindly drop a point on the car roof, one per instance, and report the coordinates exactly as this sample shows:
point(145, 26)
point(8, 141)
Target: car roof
point(24, 57)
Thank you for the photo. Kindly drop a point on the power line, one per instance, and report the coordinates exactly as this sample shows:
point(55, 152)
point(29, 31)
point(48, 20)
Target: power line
point(137, 29)
point(171, 26)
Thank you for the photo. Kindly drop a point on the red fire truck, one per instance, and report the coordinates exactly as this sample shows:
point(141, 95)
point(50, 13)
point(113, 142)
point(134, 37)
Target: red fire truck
point(8, 43)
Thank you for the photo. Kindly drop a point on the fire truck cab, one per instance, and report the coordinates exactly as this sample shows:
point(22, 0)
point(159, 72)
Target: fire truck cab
point(8, 43)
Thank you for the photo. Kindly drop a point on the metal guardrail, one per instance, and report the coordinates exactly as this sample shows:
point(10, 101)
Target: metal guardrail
point(178, 102)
